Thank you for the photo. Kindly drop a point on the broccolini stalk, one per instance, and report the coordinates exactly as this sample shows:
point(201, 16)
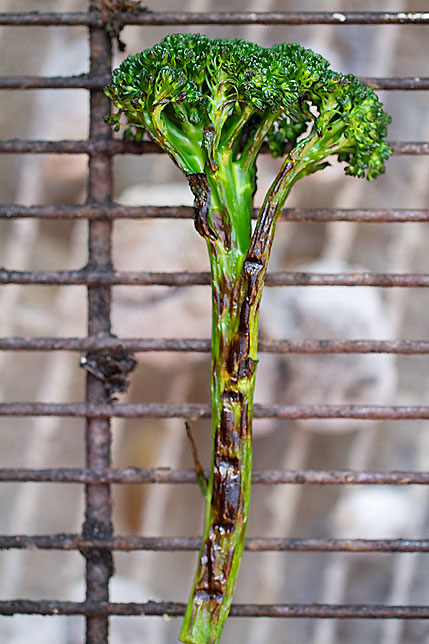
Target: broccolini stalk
point(211, 104)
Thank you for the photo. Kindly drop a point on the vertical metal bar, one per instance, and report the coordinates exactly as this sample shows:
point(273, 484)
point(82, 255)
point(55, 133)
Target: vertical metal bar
point(98, 523)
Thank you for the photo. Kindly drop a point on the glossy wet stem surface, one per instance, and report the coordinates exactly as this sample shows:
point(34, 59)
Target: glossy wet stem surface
point(237, 279)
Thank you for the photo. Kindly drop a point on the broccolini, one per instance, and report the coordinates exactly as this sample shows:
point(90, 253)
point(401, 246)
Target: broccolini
point(211, 105)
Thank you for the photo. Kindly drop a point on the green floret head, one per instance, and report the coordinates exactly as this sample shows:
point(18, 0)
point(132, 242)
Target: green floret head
point(364, 148)
point(198, 98)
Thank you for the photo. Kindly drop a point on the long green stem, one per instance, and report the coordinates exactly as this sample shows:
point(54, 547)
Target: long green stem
point(237, 283)
point(228, 492)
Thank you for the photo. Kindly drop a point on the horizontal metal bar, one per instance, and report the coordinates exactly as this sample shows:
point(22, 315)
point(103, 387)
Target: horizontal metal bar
point(173, 609)
point(78, 81)
point(302, 278)
point(91, 81)
point(146, 17)
point(399, 83)
point(118, 211)
point(200, 345)
point(266, 544)
point(404, 347)
point(194, 411)
point(165, 475)
point(20, 146)
point(77, 146)
point(36, 18)
point(184, 278)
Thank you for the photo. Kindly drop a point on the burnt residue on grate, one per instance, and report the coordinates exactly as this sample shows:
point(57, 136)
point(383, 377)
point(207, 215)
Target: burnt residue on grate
point(111, 368)
point(113, 13)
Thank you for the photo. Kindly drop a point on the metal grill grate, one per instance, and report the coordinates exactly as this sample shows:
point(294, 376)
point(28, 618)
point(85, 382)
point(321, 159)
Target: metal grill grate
point(97, 541)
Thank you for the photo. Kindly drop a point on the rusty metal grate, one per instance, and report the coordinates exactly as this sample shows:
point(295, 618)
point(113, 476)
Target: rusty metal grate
point(97, 540)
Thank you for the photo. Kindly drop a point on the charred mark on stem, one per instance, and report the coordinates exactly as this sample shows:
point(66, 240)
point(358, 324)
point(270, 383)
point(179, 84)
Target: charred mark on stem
point(225, 435)
point(232, 396)
point(221, 223)
point(225, 297)
point(228, 436)
point(241, 297)
point(215, 569)
point(245, 426)
point(252, 267)
point(208, 141)
point(201, 191)
point(227, 498)
point(226, 494)
point(239, 363)
point(246, 368)
point(263, 233)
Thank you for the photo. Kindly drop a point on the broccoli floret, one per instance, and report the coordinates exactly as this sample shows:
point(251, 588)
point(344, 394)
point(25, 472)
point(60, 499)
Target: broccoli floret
point(191, 83)
point(211, 105)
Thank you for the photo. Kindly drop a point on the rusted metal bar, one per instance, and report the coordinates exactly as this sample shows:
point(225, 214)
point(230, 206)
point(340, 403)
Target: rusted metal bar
point(112, 147)
point(197, 345)
point(44, 19)
point(98, 501)
point(117, 211)
point(193, 411)
point(96, 146)
point(174, 544)
point(78, 81)
point(391, 83)
point(146, 17)
point(330, 611)
point(409, 147)
point(92, 81)
point(346, 279)
point(381, 215)
point(336, 545)
point(148, 278)
point(404, 347)
point(165, 475)
point(104, 277)
point(174, 609)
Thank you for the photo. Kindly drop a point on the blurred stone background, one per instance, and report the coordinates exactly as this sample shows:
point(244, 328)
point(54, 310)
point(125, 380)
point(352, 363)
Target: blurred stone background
point(328, 312)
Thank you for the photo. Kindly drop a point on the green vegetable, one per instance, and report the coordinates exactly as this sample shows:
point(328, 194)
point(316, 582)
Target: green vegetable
point(211, 104)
